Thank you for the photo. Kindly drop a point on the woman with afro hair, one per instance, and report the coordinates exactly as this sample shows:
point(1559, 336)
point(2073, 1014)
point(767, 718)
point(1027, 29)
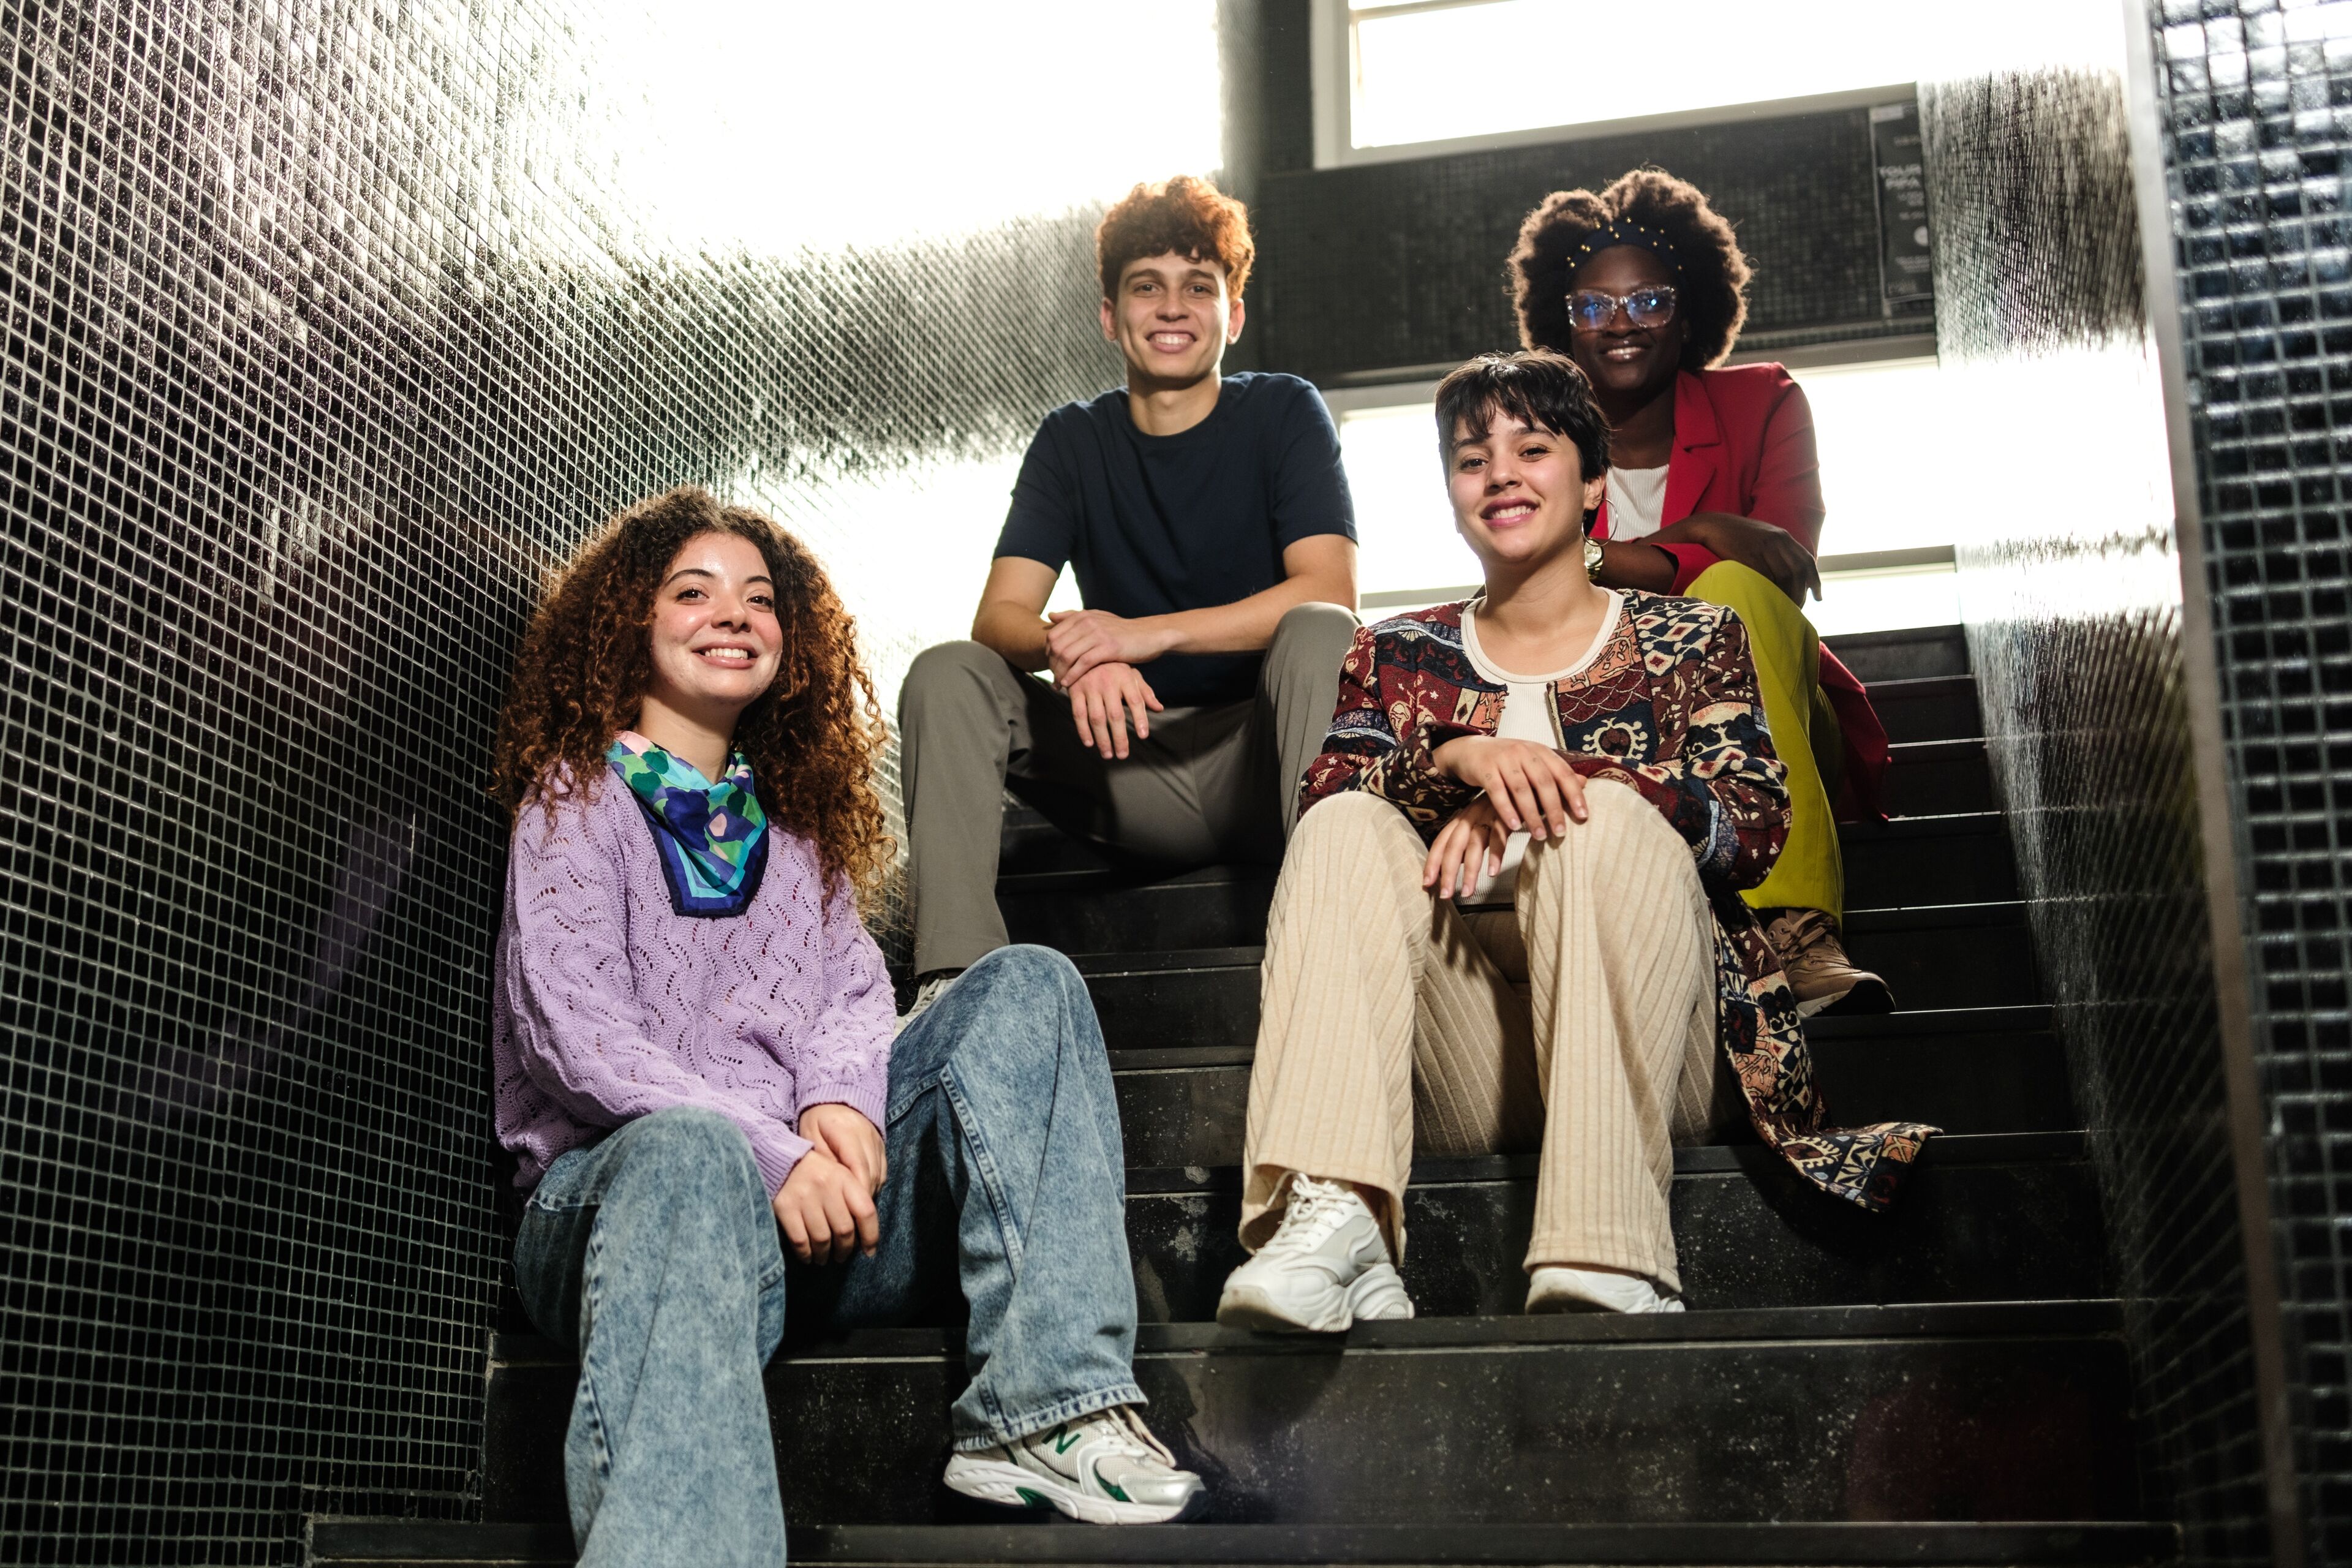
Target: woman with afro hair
point(1715, 493)
point(692, 1048)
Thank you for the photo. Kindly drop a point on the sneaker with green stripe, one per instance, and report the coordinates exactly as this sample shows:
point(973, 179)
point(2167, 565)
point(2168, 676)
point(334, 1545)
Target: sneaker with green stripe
point(1103, 1468)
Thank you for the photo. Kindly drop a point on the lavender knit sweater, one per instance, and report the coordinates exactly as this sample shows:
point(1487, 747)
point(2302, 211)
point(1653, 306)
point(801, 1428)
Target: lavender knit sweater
point(609, 1004)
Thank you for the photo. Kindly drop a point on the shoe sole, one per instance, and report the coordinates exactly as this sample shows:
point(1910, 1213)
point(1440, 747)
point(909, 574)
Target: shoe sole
point(1248, 1306)
point(1562, 1304)
point(997, 1481)
point(1868, 998)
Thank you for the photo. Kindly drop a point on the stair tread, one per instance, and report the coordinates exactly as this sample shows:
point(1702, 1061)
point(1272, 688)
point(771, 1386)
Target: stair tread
point(1927, 1022)
point(410, 1540)
point(1698, 1160)
point(2092, 1317)
point(1092, 878)
point(1827, 1544)
point(1912, 917)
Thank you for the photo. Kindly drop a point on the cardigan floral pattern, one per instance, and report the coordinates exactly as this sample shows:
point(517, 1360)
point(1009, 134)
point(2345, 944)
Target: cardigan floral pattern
point(1669, 707)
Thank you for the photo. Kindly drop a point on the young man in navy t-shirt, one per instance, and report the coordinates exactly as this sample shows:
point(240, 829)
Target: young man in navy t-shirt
point(1208, 522)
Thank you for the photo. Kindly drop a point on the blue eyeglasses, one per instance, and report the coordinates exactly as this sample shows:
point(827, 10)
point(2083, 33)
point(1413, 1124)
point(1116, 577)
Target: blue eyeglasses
point(1591, 310)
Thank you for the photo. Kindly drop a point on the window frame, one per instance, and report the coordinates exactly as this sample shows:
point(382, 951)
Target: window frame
point(1331, 51)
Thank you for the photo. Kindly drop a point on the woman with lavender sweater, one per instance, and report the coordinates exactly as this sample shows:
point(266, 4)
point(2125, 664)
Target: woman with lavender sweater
point(693, 1047)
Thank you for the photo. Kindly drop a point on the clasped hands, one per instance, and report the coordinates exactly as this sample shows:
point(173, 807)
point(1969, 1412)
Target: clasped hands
point(1523, 786)
point(826, 1205)
point(1093, 654)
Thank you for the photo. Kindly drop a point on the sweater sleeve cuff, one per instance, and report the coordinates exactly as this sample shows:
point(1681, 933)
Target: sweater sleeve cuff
point(869, 1099)
point(776, 1150)
point(1690, 560)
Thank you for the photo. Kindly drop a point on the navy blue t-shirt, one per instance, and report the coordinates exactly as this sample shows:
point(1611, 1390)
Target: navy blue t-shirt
point(1152, 525)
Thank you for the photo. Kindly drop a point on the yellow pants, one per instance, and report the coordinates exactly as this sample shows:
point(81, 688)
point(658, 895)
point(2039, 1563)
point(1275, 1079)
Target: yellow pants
point(1811, 873)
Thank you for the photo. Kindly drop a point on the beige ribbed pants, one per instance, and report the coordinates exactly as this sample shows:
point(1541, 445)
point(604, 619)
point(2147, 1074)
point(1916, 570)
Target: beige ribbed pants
point(1393, 1022)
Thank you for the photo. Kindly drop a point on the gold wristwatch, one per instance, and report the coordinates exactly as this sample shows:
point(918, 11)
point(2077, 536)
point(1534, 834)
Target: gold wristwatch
point(1591, 558)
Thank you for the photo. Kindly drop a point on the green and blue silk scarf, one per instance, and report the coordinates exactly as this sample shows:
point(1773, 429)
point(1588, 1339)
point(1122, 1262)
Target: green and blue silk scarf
point(713, 837)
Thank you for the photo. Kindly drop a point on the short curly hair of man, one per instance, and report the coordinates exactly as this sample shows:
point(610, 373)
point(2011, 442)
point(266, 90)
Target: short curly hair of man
point(812, 738)
point(1712, 271)
point(1185, 217)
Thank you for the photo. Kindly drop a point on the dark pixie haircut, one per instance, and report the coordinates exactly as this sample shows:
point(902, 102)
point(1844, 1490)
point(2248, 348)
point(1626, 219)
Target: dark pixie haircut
point(1538, 388)
point(1711, 273)
point(1185, 217)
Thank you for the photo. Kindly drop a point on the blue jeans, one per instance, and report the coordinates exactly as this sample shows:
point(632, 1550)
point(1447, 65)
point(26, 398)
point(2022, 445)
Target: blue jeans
point(654, 1257)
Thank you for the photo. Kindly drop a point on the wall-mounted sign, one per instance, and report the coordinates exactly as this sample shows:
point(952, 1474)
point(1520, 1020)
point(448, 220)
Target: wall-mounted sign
point(1906, 267)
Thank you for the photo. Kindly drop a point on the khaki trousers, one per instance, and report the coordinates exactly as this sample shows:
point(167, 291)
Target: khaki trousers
point(1582, 1024)
point(1212, 784)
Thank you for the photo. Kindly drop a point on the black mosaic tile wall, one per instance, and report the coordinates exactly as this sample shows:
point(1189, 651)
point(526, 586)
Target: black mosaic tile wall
point(326, 325)
point(2252, 97)
point(1385, 266)
point(2072, 598)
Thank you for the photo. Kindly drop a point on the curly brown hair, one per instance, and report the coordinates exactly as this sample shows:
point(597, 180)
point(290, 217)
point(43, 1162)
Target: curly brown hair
point(1714, 271)
point(581, 675)
point(1187, 217)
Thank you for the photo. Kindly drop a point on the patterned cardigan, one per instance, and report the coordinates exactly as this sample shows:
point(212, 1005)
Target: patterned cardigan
point(1669, 707)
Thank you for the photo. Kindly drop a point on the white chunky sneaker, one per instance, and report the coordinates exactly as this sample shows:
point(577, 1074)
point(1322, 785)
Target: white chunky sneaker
point(1557, 1289)
point(1326, 1266)
point(1103, 1468)
point(925, 995)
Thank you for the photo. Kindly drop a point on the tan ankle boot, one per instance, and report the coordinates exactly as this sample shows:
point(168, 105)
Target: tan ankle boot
point(1823, 978)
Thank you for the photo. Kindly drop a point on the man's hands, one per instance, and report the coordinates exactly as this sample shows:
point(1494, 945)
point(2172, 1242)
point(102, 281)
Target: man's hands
point(1101, 701)
point(1475, 835)
point(1093, 654)
point(1532, 788)
point(1760, 546)
point(1078, 640)
point(826, 1205)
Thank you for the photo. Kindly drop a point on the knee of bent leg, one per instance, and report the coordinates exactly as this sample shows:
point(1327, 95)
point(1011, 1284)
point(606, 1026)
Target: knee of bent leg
point(943, 667)
point(1729, 583)
point(1615, 813)
point(1317, 625)
point(690, 1149)
point(1768, 612)
point(1017, 987)
point(1026, 974)
point(1610, 801)
point(1348, 823)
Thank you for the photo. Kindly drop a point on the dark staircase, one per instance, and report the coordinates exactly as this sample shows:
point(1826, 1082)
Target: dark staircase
point(1943, 1385)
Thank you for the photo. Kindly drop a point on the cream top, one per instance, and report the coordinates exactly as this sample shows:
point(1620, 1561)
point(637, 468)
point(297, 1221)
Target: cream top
point(1636, 498)
point(1530, 712)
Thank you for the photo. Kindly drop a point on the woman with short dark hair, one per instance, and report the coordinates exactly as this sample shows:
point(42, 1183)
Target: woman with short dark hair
point(1714, 491)
point(692, 1045)
point(1509, 917)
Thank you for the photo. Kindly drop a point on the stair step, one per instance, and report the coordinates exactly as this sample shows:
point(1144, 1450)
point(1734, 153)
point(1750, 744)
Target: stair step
point(1997, 1217)
point(1936, 708)
point(1916, 653)
point(1111, 912)
point(1935, 778)
point(1934, 955)
point(1957, 858)
point(1727, 1544)
point(2005, 1411)
point(1956, 957)
point(415, 1543)
point(1181, 1103)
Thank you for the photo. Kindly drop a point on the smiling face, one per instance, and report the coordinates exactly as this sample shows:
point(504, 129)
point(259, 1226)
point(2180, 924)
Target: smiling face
point(1519, 492)
point(715, 639)
point(1626, 363)
point(1172, 319)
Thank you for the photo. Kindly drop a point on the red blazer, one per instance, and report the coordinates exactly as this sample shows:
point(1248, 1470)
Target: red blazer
point(1744, 444)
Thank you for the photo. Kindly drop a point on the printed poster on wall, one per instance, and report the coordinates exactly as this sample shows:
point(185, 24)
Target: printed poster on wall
point(1906, 270)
